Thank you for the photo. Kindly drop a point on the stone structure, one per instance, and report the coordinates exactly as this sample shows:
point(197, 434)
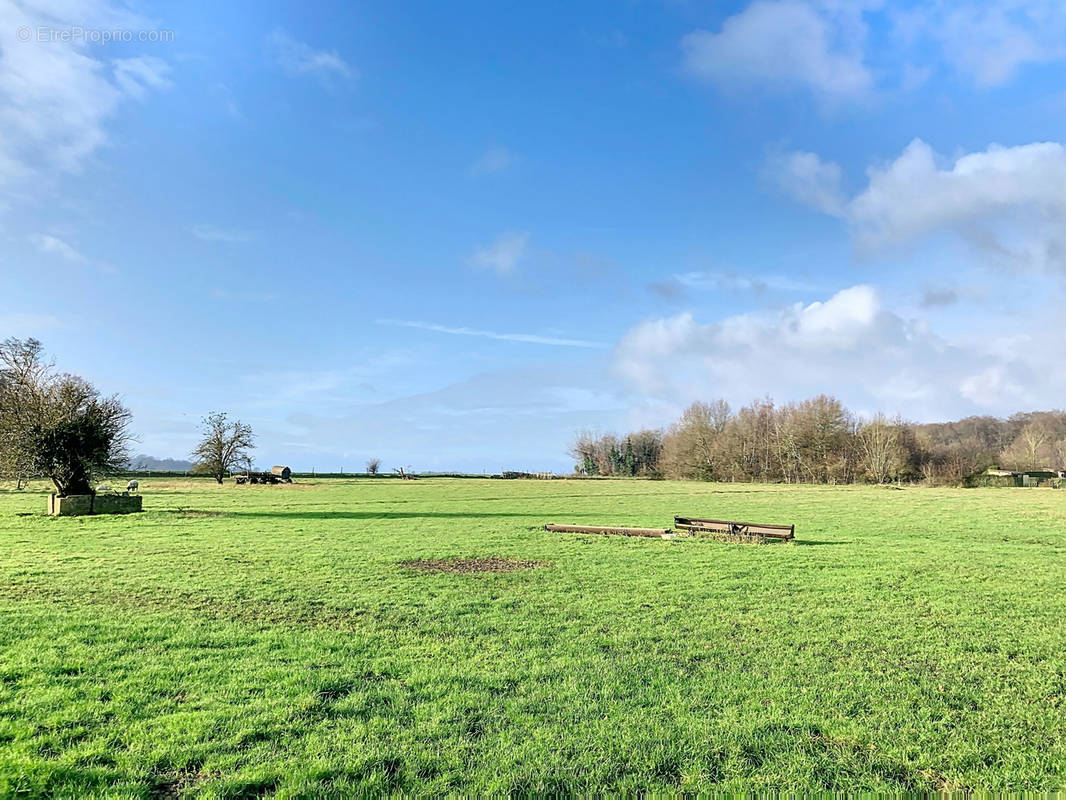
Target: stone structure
point(80, 504)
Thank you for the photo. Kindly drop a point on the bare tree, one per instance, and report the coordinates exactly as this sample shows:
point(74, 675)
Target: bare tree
point(1059, 451)
point(583, 451)
point(56, 425)
point(689, 449)
point(22, 368)
point(373, 466)
point(225, 445)
point(879, 446)
point(1030, 448)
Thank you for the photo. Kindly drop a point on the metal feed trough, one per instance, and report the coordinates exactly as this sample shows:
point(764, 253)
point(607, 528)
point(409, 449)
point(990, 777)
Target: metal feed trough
point(735, 529)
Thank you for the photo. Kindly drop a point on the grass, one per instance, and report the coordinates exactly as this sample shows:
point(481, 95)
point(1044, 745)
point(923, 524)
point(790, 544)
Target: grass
point(251, 641)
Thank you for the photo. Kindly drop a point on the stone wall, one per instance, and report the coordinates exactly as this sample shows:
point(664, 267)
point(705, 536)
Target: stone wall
point(79, 504)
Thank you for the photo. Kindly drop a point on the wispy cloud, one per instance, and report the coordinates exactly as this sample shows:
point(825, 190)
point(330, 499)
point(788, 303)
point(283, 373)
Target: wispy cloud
point(53, 245)
point(297, 58)
point(495, 159)
point(137, 75)
point(58, 95)
point(503, 254)
point(529, 338)
point(678, 285)
point(23, 324)
point(210, 233)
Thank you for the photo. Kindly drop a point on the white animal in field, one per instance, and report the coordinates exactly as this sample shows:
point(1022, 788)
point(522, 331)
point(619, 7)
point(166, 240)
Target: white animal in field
point(132, 486)
point(103, 487)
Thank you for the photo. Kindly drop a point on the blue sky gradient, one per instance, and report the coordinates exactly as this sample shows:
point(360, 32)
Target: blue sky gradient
point(452, 235)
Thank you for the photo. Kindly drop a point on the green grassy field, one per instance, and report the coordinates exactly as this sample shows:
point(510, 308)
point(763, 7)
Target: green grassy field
point(246, 641)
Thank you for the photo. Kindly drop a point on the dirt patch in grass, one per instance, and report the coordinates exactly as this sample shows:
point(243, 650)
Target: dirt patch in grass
point(465, 565)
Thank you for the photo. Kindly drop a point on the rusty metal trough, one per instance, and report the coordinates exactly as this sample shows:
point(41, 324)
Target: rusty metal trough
point(737, 529)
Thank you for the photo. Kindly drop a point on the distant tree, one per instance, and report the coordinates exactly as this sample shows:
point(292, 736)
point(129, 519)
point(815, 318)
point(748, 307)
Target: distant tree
point(373, 466)
point(56, 425)
point(584, 451)
point(225, 445)
point(689, 449)
point(22, 370)
point(880, 450)
point(1031, 448)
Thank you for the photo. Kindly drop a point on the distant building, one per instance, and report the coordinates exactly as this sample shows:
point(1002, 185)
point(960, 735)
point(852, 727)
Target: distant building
point(1029, 477)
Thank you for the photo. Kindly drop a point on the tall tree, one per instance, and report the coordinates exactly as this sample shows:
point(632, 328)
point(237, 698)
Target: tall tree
point(225, 445)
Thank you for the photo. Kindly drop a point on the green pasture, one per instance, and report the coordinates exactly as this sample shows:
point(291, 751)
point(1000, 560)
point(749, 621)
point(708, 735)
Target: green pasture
point(260, 640)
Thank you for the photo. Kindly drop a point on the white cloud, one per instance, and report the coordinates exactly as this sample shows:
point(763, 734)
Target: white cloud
point(529, 338)
point(53, 245)
point(297, 58)
point(210, 233)
point(991, 40)
point(1009, 202)
point(503, 254)
point(495, 159)
point(56, 96)
point(809, 180)
point(785, 43)
point(848, 345)
point(823, 46)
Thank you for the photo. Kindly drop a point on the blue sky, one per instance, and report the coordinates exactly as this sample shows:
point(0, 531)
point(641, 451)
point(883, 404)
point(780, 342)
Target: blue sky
point(452, 235)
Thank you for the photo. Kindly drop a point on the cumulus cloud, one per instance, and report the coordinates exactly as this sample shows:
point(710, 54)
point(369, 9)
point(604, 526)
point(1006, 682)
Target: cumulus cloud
point(298, 58)
point(822, 45)
point(848, 344)
point(1009, 202)
point(503, 254)
point(785, 43)
point(56, 96)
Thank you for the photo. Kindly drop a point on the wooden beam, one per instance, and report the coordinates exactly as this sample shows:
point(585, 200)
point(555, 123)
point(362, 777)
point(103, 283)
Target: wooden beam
point(607, 530)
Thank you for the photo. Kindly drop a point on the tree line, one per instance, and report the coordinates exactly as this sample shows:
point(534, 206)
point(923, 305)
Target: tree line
point(818, 440)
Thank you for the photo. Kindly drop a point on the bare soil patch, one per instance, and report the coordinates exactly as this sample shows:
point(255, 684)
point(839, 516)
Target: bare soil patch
point(467, 565)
